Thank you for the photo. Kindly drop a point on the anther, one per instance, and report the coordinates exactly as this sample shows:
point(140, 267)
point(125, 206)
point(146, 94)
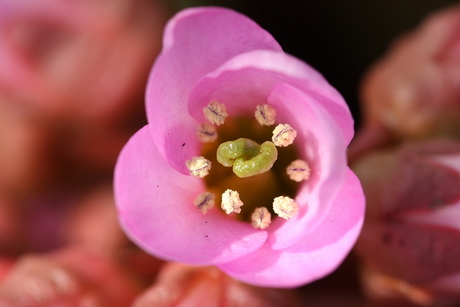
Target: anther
point(198, 166)
point(206, 133)
point(298, 170)
point(231, 202)
point(265, 115)
point(285, 207)
point(215, 112)
point(283, 135)
point(205, 201)
point(261, 218)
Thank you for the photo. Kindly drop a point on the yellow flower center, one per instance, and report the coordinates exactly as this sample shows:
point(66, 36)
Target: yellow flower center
point(246, 180)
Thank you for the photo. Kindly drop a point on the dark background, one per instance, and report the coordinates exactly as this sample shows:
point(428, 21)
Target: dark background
point(340, 38)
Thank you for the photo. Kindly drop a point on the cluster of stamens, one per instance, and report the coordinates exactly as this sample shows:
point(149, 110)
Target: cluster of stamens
point(247, 158)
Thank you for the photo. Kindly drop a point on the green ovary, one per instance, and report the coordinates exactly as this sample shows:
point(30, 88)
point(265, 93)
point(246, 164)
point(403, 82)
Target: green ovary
point(247, 157)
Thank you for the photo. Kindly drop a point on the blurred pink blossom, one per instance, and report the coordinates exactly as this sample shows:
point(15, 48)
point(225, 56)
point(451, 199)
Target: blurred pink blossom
point(72, 78)
point(79, 58)
point(412, 227)
point(70, 277)
point(217, 54)
point(413, 91)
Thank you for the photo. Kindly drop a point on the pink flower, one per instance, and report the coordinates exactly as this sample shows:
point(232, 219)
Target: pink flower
point(215, 54)
point(412, 230)
point(418, 76)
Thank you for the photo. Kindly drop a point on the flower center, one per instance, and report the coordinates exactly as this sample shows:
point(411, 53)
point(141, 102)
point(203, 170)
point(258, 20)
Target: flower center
point(247, 157)
point(251, 182)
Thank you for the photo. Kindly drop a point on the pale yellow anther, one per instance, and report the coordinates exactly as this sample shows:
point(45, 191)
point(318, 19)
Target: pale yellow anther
point(215, 112)
point(206, 133)
point(198, 166)
point(265, 115)
point(298, 170)
point(205, 201)
point(285, 207)
point(283, 135)
point(231, 202)
point(261, 218)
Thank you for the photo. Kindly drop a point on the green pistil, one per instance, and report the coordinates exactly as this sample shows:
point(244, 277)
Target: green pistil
point(247, 157)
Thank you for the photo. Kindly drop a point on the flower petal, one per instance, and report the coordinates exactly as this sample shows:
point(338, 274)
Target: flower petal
point(314, 255)
point(196, 41)
point(156, 210)
point(247, 80)
point(321, 146)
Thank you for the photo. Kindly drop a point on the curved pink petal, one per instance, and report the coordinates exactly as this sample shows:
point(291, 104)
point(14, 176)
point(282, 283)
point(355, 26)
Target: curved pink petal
point(196, 41)
point(261, 70)
point(321, 146)
point(155, 204)
point(312, 256)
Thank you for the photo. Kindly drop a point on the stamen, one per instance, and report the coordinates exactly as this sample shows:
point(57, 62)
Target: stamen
point(215, 112)
point(265, 115)
point(247, 157)
point(285, 207)
point(198, 166)
point(261, 218)
point(298, 170)
point(283, 135)
point(231, 202)
point(207, 133)
point(205, 201)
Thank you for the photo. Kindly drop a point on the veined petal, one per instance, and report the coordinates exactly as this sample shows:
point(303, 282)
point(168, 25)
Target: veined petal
point(155, 204)
point(196, 42)
point(312, 256)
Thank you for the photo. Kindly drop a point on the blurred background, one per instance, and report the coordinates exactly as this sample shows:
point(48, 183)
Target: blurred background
point(63, 122)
